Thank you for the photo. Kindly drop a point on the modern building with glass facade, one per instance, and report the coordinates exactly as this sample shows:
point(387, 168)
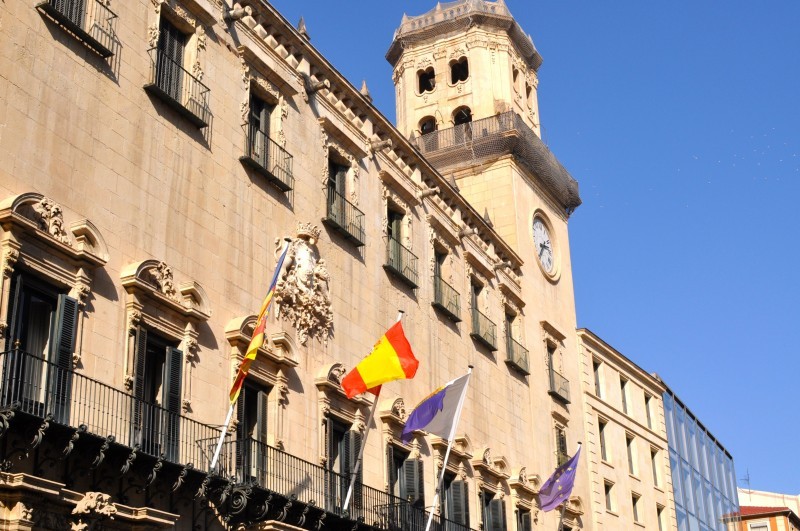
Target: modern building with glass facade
point(703, 477)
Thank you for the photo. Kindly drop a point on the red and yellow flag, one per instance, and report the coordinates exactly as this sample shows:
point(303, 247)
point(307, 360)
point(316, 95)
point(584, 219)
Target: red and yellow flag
point(258, 333)
point(391, 359)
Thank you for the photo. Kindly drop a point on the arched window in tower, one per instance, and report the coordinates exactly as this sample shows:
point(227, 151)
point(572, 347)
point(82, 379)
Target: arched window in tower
point(427, 125)
point(459, 70)
point(426, 80)
point(529, 95)
point(515, 78)
point(462, 115)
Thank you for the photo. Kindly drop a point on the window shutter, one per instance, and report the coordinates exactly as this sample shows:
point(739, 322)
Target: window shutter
point(241, 433)
point(390, 472)
point(172, 400)
point(354, 440)
point(261, 420)
point(413, 480)
point(526, 521)
point(14, 310)
point(460, 502)
point(60, 379)
point(138, 385)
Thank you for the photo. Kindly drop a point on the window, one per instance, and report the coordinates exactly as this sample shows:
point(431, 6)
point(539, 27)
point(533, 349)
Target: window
point(427, 125)
point(459, 70)
point(602, 429)
point(597, 387)
point(494, 512)
point(445, 298)
point(426, 80)
point(342, 215)
point(608, 488)
point(561, 446)
point(662, 524)
point(529, 95)
point(462, 115)
point(656, 468)
point(170, 80)
point(399, 258)
point(758, 526)
point(635, 506)
point(462, 130)
point(263, 153)
point(251, 432)
point(623, 387)
point(343, 448)
point(455, 501)
point(91, 21)
point(515, 78)
point(484, 331)
point(42, 333)
point(648, 403)
point(406, 477)
point(157, 389)
point(629, 443)
point(524, 521)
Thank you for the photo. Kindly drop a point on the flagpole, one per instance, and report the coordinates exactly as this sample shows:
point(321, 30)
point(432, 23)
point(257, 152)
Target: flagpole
point(447, 455)
point(357, 467)
point(564, 505)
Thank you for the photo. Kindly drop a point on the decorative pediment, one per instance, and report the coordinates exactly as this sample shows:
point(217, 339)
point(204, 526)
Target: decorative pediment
point(462, 446)
point(574, 507)
point(154, 280)
point(42, 219)
point(477, 258)
point(279, 348)
point(524, 485)
point(329, 381)
point(351, 140)
point(401, 185)
point(510, 287)
point(393, 411)
point(491, 467)
point(552, 332)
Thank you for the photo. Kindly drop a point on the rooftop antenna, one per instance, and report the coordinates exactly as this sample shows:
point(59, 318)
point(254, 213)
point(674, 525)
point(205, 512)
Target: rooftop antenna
point(746, 479)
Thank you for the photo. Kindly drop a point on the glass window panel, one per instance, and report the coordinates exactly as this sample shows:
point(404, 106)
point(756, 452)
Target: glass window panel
point(674, 466)
point(668, 413)
point(712, 469)
point(680, 431)
point(683, 524)
point(688, 494)
point(694, 523)
point(711, 513)
point(691, 442)
point(697, 486)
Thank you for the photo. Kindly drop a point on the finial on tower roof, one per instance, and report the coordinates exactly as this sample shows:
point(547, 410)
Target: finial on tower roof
point(487, 219)
point(301, 28)
point(452, 182)
point(365, 91)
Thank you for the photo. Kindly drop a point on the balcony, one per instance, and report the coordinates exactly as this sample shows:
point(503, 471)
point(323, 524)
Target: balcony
point(179, 89)
point(270, 472)
point(559, 387)
point(517, 356)
point(38, 388)
point(484, 331)
point(446, 299)
point(401, 262)
point(93, 24)
point(502, 134)
point(345, 218)
point(268, 159)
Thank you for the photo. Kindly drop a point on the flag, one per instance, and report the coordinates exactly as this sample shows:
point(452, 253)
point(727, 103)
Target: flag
point(391, 359)
point(258, 333)
point(558, 487)
point(438, 414)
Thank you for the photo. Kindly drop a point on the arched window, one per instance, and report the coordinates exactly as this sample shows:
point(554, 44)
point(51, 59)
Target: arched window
point(427, 125)
point(515, 78)
point(462, 115)
point(426, 80)
point(529, 94)
point(459, 70)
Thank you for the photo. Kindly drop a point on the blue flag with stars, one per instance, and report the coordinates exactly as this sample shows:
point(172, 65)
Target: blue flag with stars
point(558, 487)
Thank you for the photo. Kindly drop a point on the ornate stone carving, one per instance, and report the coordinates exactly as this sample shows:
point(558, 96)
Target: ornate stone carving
point(424, 63)
point(9, 260)
point(25, 511)
point(128, 382)
point(186, 405)
point(3, 328)
point(162, 276)
point(201, 38)
point(134, 318)
point(197, 70)
point(336, 374)
point(302, 291)
point(152, 35)
point(399, 409)
point(96, 504)
point(51, 220)
point(458, 53)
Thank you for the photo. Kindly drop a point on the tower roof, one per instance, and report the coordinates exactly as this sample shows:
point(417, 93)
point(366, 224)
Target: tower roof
point(459, 16)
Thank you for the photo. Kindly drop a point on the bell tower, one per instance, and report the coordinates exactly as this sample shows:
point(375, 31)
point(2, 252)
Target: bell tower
point(466, 82)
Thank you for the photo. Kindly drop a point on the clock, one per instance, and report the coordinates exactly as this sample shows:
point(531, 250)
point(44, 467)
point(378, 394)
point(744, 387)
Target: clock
point(543, 246)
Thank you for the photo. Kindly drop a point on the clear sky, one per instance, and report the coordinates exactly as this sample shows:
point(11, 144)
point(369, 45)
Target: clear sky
point(681, 122)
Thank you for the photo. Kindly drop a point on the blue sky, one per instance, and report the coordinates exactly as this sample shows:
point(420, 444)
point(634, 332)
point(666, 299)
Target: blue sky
point(680, 122)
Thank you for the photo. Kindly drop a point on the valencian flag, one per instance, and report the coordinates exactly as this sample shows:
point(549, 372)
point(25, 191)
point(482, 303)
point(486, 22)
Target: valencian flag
point(391, 359)
point(438, 414)
point(558, 487)
point(258, 333)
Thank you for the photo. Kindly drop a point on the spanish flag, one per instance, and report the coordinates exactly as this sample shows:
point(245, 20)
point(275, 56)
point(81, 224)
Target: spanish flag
point(391, 359)
point(258, 333)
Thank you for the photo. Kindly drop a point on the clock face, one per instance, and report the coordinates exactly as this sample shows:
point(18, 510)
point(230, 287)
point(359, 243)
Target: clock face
point(543, 246)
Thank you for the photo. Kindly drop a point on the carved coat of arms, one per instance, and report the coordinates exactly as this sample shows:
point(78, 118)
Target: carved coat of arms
point(302, 289)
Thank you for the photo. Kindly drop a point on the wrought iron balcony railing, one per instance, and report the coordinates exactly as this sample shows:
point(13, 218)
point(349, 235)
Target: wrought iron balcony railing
point(484, 331)
point(261, 466)
point(178, 88)
point(91, 21)
point(517, 355)
point(343, 216)
point(559, 386)
point(39, 388)
point(496, 135)
point(401, 261)
point(446, 299)
point(268, 158)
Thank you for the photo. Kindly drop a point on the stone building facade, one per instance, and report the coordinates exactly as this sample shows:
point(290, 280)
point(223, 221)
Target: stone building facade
point(626, 440)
